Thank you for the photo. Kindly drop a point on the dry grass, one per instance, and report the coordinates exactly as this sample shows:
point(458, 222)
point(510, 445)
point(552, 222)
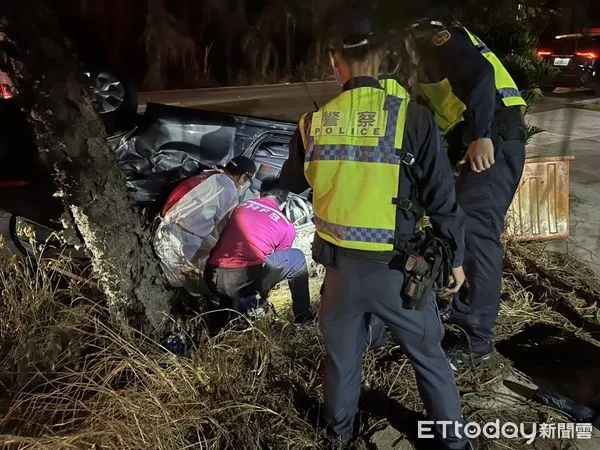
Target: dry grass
point(71, 382)
point(557, 281)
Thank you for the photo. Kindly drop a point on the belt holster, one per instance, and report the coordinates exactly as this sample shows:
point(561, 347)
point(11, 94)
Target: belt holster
point(323, 252)
point(426, 264)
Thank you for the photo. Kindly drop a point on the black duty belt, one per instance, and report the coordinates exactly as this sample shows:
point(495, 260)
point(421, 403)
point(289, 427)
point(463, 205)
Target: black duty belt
point(508, 125)
point(375, 257)
point(325, 253)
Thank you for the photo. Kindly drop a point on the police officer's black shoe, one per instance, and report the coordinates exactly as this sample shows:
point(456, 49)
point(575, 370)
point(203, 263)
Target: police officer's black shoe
point(339, 442)
point(462, 358)
point(305, 321)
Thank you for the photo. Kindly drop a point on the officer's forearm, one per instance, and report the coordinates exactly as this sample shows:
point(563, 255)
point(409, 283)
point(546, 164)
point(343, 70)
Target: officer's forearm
point(481, 106)
point(459, 253)
point(438, 196)
point(292, 178)
point(473, 82)
point(450, 228)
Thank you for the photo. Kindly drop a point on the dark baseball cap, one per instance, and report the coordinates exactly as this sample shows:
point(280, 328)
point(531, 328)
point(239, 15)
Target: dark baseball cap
point(241, 165)
point(355, 28)
point(428, 13)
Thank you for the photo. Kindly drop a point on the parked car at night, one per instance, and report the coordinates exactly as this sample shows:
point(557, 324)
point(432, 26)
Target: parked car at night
point(577, 57)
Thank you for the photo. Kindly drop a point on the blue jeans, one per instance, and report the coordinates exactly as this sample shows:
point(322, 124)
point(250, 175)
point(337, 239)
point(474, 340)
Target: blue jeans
point(289, 264)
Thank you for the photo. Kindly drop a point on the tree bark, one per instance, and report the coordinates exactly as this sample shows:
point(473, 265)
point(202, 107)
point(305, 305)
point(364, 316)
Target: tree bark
point(72, 144)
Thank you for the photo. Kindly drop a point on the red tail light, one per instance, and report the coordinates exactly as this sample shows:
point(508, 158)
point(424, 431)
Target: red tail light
point(544, 53)
point(7, 91)
point(9, 184)
point(588, 55)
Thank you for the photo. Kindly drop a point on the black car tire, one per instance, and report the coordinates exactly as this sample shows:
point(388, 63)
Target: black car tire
point(547, 89)
point(119, 111)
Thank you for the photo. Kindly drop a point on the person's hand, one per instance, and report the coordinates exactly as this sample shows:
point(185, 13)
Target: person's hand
point(480, 154)
point(459, 278)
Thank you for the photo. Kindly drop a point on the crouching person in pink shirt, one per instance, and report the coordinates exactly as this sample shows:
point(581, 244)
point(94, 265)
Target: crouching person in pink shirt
point(254, 253)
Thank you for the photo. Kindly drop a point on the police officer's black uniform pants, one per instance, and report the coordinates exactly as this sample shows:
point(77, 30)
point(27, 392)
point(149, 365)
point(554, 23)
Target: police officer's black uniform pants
point(485, 197)
point(353, 288)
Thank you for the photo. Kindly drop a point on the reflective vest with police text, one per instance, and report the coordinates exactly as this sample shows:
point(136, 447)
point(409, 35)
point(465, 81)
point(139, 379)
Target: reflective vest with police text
point(448, 108)
point(353, 166)
point(393, 87)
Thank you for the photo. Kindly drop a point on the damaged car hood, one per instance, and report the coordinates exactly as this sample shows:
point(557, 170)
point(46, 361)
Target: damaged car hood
point(174, 143)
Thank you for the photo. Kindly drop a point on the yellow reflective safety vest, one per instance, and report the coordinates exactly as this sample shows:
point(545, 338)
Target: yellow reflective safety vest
point(393, 87)
point(448, 108)
point(353, 162)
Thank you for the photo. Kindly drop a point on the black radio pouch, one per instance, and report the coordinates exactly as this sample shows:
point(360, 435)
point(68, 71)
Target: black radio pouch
point(427, 265)
point(322, 251)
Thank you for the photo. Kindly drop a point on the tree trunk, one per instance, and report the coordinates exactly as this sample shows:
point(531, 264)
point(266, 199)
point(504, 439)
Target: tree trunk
point(72, 140)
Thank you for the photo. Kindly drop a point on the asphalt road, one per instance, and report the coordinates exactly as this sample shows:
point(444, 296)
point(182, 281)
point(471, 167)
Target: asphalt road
point(562, 98)
point(277, 101)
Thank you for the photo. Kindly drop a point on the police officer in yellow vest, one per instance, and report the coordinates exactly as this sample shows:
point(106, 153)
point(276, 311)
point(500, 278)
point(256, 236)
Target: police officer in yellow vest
point(480, 111)
point(360, 153)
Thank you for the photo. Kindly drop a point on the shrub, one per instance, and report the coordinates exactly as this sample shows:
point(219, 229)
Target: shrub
point(515, 44)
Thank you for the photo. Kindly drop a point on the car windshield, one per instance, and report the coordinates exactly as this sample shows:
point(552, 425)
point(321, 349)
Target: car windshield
point(568, 45)
point(565, 46)
point(591, 42)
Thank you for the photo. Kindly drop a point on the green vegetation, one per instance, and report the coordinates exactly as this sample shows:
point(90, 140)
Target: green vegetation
point(593, 106)
point(214, 42)
point(532, 130)
point(513, 41)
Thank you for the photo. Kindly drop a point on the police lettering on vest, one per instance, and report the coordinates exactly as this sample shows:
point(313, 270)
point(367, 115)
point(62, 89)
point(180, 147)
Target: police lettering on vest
point(353, 164)
point(341, 123)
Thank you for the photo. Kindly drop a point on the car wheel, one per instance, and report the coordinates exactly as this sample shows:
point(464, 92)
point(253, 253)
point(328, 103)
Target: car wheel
point(114, 98)
point(547, 89)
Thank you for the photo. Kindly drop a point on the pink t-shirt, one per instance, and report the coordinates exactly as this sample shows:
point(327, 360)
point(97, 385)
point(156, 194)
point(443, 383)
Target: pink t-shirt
point(256, 229)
